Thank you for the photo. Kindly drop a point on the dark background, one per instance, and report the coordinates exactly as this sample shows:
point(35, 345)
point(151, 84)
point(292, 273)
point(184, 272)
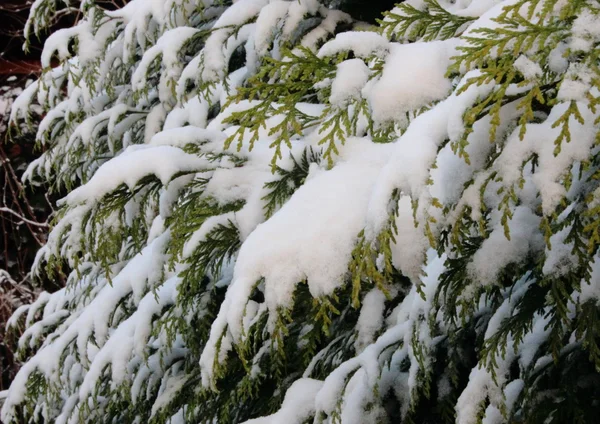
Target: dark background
point(13, 60)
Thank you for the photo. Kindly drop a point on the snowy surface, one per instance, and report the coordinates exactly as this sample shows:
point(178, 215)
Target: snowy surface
point(140, 150)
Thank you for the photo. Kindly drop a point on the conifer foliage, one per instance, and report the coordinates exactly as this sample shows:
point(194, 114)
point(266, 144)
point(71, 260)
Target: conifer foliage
point(279, 214)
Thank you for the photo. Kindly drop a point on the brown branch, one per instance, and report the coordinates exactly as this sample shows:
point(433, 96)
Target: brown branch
point(16, 190)
point(23, 219)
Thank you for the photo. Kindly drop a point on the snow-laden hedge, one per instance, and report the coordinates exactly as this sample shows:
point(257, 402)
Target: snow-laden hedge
point(277, 211)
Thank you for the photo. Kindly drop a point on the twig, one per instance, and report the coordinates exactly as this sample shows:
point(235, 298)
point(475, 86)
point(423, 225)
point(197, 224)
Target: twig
point(28, 221)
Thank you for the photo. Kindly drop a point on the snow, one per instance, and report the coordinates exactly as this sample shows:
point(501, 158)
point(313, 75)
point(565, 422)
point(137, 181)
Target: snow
point(473, 8)
point(480, 386)
point(129, 337)
point(277, 22)
point(413, 77)
point(131, 105)
point(408, 251)
point(408, 166)
point(167, 49)
point(298, 404)
point(180, 136)
point(314, 214)
point(297, 12)
point(283, 258)
point(552, 166)
point(77, 328)
point(370, 320)
point(351, 76)
point(585, 32)
point(325, 29)
point(214, 59)
point(497, 251)
point(134, 164)
point(267, 23)
point(529, 69)
point(241, 12)
point(533, 340)
point(20, 105)
point(58, 43)
point(590, 290)
point(560, 258)
point(362, 44)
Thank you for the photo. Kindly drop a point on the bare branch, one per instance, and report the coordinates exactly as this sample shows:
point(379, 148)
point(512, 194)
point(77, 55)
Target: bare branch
point(23, 219)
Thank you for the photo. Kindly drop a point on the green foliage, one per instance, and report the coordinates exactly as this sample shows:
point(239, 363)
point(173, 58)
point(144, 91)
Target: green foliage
point(432, 23)
point(107, 241)
point(475, 298)
point(282, 188)
point(278, 88)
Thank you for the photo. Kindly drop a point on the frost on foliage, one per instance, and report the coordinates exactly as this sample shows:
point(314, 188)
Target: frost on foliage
point(275, 213)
